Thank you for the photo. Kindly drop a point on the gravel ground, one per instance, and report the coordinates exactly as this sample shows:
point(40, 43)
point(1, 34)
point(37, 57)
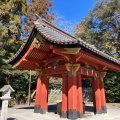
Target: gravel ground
point(26, 113)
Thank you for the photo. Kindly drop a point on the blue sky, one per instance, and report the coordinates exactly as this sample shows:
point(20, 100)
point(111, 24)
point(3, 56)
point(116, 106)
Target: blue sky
point(70, 13)
point(73, 10)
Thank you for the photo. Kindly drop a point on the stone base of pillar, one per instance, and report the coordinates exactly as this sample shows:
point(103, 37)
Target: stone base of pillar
point(43, 111)
point(36, 109)
point(72, 114)
point(63, 115)
point(80, 115)
point(104, 109)
point(98, 111)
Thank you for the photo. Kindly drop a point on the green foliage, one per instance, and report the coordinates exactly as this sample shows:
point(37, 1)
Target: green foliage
point(38, 8)
point(11, 13)
point(55, 85)
point(86, 83)
point(10, 25)
point(103, 27)
point(112, 86)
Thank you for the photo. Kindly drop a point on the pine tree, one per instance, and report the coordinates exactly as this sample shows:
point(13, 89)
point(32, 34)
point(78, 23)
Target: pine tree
point(103, 27)
point(112, 86)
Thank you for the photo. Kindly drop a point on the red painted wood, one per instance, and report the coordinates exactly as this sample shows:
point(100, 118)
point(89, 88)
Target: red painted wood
point(103, 98)
point(38, 92)
point(64, 93)
point(39, 51)
point(97, 94)
point(54, 70)
point(79, 94)
point(62, 70)
point(86, 57)
point(34, 60)
point(44, 92)
point(93, 91)
point(72, 92)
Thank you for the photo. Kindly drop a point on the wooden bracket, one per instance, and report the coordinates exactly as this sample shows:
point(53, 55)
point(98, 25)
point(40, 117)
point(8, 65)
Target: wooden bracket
point(72, 68)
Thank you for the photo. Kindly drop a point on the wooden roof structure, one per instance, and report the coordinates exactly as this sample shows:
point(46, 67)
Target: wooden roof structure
point(48, 44)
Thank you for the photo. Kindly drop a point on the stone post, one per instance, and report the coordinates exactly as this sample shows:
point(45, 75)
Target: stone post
point(6, 90)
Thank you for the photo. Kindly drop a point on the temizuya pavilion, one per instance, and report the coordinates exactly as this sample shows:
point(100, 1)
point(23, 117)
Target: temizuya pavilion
point(51, 52)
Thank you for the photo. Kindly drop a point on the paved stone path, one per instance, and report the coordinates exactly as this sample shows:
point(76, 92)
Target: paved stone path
point(26, 113)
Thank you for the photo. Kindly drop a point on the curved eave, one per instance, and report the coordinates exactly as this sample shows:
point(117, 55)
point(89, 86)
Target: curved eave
point(72, 42)
point(23, 49)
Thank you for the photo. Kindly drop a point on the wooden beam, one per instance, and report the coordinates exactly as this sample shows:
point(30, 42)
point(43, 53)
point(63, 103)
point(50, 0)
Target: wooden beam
point(89, 73)
point(54, 71)
point(62, 69)
point(67, 57)
point(58, 58)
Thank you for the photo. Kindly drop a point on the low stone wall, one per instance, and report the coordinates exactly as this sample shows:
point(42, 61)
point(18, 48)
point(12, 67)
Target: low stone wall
point(56, 94)
point(87, 94)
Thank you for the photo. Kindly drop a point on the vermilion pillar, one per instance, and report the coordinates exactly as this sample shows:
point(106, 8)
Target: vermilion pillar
point(98, 109)
point(103, 99)
point(38, 96)
point(44, 94)
point(79, 96)
point(64, 96)
point(72, 94)
point(93, 91)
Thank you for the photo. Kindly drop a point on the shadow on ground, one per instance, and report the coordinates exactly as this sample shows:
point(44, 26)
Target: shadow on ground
point(89, 108)
point(12, 119)
point(53, 108)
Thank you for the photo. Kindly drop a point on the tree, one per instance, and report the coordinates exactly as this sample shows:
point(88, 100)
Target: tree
point(112, 86)
point(36, 9)
point(11, 38)
point(80, 28)
point(65, 25)
point(10, 19)
point(102, 29)
point(11, 12)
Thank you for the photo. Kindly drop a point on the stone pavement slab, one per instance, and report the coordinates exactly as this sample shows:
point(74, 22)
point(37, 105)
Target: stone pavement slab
point(27, 113)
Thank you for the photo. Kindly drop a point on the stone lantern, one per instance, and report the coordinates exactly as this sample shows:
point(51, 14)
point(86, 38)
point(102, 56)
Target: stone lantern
point(6, 91)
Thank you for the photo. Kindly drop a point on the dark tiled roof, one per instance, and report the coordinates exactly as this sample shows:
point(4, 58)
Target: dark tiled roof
point(60, 38)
